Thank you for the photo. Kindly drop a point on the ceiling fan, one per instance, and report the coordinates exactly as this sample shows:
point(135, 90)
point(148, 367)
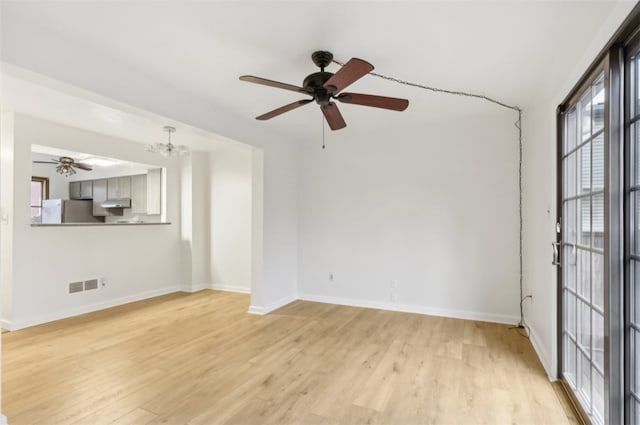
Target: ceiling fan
point(326, 86)
point(66, 165)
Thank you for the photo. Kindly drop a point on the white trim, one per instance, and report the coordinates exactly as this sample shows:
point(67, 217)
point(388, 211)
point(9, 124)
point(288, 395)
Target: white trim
point(253, 309)
point(195, 288)
point(3, 420)
point(542, 354)
point(406, 308)
point(76, 311)
point(6, 324)
point(230, 288)
point(216, 287)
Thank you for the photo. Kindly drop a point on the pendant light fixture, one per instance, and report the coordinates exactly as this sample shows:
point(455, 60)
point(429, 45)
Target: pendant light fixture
point(168, 149)
point(65, 169)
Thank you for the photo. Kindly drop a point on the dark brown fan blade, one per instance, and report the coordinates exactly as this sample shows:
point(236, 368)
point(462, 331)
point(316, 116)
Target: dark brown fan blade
point(283, 109)
point(271, 83)
point(392, 103)
point(82, 166)
point(333, 116)
point(45, 162)
point(348, 74)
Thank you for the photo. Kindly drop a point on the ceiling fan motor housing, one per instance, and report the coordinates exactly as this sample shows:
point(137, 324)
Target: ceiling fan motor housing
point(313, 85)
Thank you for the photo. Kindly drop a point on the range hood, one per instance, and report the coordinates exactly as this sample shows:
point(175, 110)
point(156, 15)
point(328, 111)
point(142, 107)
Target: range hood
point(117, 203)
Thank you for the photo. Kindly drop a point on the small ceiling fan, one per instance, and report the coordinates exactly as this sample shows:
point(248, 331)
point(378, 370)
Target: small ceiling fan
point(66, 165)
point(326, 86)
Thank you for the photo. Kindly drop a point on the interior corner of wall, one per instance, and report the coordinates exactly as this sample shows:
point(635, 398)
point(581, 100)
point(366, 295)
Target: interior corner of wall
point(6, 324)
point(543, 355)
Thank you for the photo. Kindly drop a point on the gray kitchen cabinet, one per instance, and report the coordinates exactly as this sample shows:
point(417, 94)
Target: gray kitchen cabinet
point(154, 191)
point(99, 196)
point(81, 190)
point(139, 194)
point(75, 191)
point(119, 187)
point(86, 189)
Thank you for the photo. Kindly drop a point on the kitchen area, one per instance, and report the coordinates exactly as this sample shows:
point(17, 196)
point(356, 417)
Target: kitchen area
point(69, 188)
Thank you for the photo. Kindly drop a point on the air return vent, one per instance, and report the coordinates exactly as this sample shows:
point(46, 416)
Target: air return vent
point(90, 284)
point(76, 287)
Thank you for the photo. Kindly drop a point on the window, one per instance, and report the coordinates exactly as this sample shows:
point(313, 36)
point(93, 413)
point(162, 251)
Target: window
point(39, 192)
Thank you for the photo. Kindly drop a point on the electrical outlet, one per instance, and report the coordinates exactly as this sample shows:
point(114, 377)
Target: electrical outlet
point(394, 284)
point(103, 282)
point(331, 277)
point(394, 297)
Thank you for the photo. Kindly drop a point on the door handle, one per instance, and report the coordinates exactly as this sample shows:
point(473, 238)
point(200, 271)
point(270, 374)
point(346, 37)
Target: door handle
point(556, 254)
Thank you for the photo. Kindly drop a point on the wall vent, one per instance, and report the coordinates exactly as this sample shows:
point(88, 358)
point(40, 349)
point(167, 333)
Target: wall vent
point(90, 284)
point(76, 287)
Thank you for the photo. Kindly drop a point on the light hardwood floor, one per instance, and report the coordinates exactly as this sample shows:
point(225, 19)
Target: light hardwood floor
point(200, 359)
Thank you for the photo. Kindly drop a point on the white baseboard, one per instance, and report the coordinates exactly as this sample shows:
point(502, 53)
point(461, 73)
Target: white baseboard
point(544, 357)
point(256, 310)
point(195, 288)
point(272, 306)
point(406, 308)
point(21, 324)
point(230, 288)
point(6, 324)
point(3, 420)
point(217, 287)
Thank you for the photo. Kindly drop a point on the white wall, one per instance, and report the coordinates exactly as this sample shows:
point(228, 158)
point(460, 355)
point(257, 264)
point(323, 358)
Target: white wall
point(6, 172)
point(230, 192)
point(539, 192)
point(435, 211)
point(200, 207)
point(137, 261)
point(7, 122)
point(539, 229)
point(121, 87)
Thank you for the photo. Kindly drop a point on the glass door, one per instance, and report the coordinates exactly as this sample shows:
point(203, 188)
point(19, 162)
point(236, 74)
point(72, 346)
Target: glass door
point(583, 227)
point(632, 292)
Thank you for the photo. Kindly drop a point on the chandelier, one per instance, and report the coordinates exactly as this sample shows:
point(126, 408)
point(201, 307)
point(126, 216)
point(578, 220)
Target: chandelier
point(168, 149)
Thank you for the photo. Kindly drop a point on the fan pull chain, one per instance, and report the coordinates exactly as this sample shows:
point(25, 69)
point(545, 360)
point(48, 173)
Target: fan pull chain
point(518, 124)
point(322, 123)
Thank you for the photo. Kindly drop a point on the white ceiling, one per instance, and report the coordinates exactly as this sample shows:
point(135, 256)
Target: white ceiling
point(48, 153)
point(514, 50)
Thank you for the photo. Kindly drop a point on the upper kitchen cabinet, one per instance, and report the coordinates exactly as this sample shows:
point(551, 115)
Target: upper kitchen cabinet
point(154, 191)
point(99, 196)
point(119, 187)
point(75, 191)
point(146, 192)
point(86, 189)
point(139, 194)
point(81, 190)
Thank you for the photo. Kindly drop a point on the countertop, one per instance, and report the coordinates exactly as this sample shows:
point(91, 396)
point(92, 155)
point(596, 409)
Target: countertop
point(96, 224)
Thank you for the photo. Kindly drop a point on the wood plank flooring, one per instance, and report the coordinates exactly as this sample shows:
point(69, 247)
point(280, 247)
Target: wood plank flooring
point(200, 359)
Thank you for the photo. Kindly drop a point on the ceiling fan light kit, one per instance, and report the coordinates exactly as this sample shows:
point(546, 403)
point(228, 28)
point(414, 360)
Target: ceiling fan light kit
point(324, 87)
point(65, 170)
point(168, 149)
